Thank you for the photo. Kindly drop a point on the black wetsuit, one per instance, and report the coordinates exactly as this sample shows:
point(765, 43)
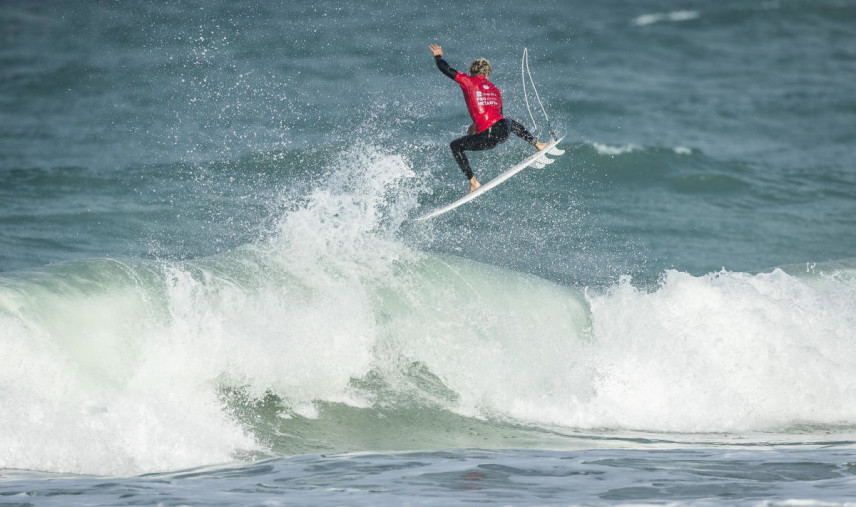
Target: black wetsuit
point(487, 139)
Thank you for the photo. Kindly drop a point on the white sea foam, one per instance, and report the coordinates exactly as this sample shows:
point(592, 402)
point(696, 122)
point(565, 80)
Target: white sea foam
point(674, 16)
point(92, 382)
point(723, 352)
point(717, 353)
point(604, 149)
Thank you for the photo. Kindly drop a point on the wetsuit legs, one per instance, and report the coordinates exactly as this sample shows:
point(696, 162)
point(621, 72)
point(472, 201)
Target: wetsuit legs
point(521, 132)
point(484, 140)
point(496, 134)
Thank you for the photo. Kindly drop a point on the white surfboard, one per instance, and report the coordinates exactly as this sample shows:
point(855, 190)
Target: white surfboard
point(538, 159)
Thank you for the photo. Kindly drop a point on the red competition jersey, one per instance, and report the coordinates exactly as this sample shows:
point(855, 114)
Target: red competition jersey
point(484, 101)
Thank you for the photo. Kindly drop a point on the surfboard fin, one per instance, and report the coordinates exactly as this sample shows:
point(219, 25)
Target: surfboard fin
point(555, 151)
point(543, 161)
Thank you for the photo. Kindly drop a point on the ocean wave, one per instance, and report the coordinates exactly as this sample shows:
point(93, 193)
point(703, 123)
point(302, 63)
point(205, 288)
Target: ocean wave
point(304, 340)
point(116, 368)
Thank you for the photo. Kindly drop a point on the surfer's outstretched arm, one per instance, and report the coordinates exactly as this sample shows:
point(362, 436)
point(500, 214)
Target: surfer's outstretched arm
point(437, 51)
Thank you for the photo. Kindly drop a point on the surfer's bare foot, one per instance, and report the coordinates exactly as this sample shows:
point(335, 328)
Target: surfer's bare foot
point(540, 146)
point(474, 185)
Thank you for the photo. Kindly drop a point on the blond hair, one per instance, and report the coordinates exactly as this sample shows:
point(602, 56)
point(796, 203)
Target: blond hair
point(480, 67)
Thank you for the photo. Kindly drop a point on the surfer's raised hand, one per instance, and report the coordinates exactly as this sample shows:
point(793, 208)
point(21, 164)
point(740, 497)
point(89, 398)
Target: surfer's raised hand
point(436, 50)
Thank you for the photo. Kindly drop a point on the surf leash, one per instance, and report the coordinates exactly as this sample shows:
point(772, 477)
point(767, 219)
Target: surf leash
point(524, 72)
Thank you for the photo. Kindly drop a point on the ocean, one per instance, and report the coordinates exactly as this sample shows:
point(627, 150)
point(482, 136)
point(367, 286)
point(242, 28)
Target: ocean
point(214, 291)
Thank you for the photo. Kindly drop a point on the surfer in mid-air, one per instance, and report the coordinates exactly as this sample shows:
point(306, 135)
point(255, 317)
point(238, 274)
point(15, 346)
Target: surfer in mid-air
point(484, 102)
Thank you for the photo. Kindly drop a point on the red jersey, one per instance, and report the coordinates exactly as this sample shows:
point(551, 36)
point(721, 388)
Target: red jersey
point(484, 101)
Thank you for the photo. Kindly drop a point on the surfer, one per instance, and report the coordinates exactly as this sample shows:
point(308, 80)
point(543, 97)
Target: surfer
point(484, 103)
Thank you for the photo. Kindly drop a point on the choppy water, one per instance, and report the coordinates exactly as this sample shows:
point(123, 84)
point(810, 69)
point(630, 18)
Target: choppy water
point(212, 290)
point(481, 477)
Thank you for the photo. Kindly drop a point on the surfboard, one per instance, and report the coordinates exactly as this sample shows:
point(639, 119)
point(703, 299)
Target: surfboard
point(538, 159)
